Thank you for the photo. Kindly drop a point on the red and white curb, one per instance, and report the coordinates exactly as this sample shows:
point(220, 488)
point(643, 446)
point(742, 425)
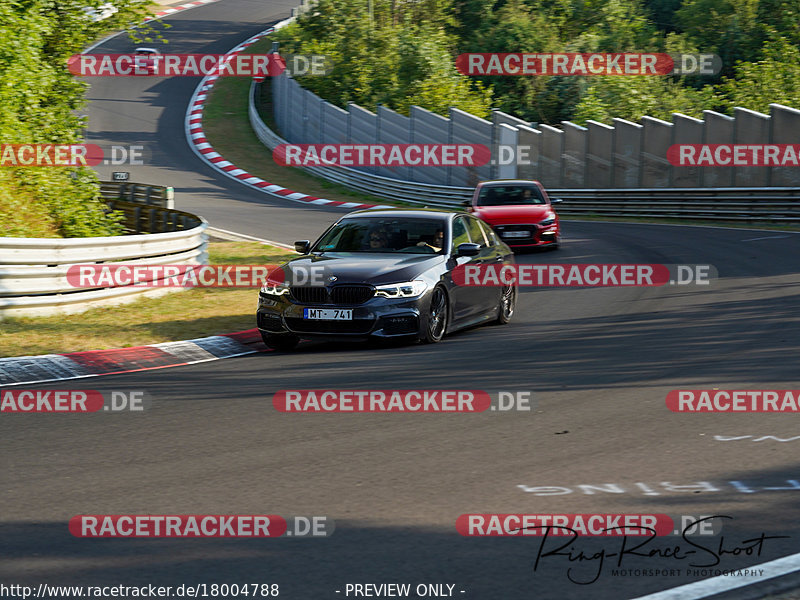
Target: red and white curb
point(200, 145)
point(20, 370)
point(181, 8)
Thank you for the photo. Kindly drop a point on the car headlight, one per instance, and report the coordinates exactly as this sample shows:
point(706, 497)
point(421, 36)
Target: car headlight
point(408, 289)
point(548, 221)
point(274, 288)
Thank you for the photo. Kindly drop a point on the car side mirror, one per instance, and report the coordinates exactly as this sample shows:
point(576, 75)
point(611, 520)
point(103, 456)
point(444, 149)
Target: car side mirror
point(303, 246)
point(555, 200)
point(468, 249)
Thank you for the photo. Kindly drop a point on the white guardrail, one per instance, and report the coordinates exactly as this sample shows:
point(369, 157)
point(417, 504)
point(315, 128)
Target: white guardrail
point(764, 205)
point(33, 271)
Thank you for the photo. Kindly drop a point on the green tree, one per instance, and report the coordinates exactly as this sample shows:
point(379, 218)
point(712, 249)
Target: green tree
point(39, 100)
point(773, 79)
point(632, 98)
point(400, 57)
point(729, 28)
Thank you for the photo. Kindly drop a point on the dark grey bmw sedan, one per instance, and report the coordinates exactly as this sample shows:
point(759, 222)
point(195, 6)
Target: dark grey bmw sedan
point(385, 273)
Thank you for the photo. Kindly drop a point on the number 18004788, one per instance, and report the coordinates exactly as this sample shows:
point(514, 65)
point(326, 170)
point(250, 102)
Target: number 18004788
point(225, 590)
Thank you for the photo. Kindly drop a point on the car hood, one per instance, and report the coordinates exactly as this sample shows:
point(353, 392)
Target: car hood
point(363, 267)
point(513, 214)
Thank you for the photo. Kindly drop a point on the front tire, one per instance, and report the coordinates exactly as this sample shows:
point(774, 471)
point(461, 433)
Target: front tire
point(438, 317)
point(278, 341)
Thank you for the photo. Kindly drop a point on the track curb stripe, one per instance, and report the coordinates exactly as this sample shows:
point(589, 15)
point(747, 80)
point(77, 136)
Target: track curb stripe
point(202, 148)
point(176, 9)
point(20, 370)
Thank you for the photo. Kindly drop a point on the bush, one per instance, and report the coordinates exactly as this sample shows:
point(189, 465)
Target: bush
point(39, 100)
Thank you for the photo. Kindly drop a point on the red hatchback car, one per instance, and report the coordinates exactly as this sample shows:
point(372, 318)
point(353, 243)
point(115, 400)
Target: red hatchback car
point(520, 212)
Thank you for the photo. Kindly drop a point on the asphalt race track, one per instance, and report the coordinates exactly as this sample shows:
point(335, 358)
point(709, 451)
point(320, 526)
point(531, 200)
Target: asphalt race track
point(600, 362)
point(142, 111)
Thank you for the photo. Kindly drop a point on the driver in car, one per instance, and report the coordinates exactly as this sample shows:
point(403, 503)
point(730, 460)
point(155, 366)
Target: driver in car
point(378, 239)
point(529, 198)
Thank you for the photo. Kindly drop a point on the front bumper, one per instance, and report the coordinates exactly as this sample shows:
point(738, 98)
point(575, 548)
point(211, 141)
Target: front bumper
point(536, 235)
point(377, 318)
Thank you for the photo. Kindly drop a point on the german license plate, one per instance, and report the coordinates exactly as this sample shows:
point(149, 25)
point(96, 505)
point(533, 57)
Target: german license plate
point(328, 314)
point(516, 234)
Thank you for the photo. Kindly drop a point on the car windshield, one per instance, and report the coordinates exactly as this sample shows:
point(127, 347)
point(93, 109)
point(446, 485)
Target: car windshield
point(384, 234)
point(510, 195)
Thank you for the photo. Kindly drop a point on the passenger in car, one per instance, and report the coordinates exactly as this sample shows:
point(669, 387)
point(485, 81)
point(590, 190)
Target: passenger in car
point(437, 242)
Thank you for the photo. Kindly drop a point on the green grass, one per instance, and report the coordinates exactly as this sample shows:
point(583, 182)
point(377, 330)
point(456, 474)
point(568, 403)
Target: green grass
point(21, 215)
point(196, 312)
point(227, 128)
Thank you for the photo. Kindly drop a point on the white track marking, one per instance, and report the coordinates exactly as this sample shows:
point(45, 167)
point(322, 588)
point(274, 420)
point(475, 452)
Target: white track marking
point(717, 585)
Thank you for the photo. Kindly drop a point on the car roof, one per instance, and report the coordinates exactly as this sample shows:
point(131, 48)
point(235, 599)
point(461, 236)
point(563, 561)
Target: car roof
point(153, 50)
point(402, 213)
point(499, 182)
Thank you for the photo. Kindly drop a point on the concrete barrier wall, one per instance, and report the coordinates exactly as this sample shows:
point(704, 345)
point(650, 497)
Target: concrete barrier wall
point(394, 129)
point(469, 129)
point(500, 136)
point(785, 125)
point(750, 127)
point(528, 159)
point(279, 110)
point(686, 130)
point(295, 122)
point(312, 133)
point(363, 129)
point(334, 125)
point(501, 118)
point(551, 156)
point(506, 137)
point(575, 150)
point(598, 156)
point(656, 140)
point(429, 128)
point(718, 129)
point(627, 154)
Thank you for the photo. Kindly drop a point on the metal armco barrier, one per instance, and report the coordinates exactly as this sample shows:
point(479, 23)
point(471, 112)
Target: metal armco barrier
point(765, 205)
point(153, 219)
point(151, 195)
point(33, 271)
point(746, 204)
